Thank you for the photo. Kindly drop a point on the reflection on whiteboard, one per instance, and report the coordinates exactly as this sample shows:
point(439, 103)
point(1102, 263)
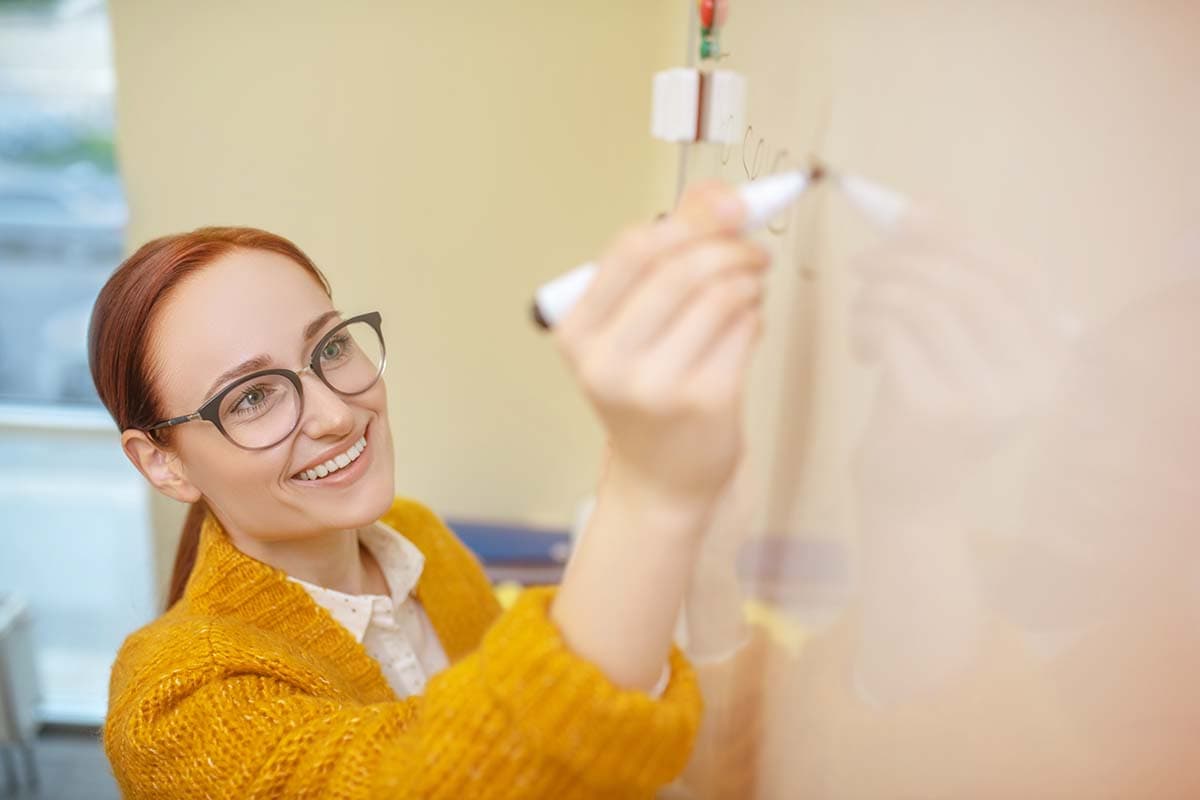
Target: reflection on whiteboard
point(963, 557)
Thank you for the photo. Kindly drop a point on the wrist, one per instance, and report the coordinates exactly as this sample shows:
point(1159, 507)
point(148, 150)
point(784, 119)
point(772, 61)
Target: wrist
point(669, 513)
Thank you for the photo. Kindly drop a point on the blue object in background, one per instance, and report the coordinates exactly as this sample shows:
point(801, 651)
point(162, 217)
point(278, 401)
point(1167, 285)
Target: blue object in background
point(512, 552)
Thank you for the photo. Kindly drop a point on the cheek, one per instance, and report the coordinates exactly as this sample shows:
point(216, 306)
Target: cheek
point(376, 402)
point(381, 435)
point(222, 471)
point(385, 465)
point(378, 396)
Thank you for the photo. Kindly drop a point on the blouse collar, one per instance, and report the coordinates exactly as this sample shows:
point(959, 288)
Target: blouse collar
point(401, 563)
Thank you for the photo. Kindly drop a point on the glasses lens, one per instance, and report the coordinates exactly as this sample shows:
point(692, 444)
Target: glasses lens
point(260, 412)
point(352, 358)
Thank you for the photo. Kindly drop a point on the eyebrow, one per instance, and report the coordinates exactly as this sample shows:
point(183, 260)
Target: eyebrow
point(249, 365)
point(311, 329)
point(262, 360)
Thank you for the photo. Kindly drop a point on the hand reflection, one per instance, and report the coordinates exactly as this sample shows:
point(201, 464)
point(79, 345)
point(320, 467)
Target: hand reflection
point(967, 351)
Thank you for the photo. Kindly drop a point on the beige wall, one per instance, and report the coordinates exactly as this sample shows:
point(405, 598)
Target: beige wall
point(438, 161)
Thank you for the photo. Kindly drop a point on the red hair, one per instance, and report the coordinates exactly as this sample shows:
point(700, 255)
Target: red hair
point(120, 331)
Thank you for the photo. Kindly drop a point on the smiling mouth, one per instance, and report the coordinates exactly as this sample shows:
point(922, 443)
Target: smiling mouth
point(335, 464)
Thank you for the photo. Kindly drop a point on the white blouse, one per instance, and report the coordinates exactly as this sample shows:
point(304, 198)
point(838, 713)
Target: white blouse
point(395, 630)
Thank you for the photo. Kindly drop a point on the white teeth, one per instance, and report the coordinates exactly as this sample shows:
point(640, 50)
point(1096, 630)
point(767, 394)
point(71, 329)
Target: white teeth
point(334, 464)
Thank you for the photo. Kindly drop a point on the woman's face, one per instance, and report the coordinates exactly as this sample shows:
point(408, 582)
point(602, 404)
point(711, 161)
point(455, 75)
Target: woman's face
point(250, 303)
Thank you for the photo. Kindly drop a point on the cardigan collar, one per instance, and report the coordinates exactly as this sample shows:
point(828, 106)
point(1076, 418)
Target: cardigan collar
point(225, 582)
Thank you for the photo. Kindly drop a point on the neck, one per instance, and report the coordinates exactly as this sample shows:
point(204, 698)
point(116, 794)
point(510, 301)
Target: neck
point(331, 559)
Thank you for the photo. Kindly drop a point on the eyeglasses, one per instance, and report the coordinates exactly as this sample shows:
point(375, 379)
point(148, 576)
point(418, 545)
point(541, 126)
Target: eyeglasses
point(262, 409)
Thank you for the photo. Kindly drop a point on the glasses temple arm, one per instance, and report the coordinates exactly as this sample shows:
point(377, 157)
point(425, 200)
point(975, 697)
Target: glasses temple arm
point(175, 421)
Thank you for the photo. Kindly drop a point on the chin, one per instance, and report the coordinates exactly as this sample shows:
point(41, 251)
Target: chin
point(381, 497)
point(369, 500)
point(373, 500)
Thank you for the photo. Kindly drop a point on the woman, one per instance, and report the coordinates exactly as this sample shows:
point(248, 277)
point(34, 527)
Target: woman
point(240, 390)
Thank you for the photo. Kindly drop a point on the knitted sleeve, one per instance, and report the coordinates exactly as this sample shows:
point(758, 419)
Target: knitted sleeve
point(522, 716)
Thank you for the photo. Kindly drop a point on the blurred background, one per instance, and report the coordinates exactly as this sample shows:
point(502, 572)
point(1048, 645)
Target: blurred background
point(71, 578)
point(438, 163)
point(964, 553)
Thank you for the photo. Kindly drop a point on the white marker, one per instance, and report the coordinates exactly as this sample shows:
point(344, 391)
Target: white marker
point(881, 205)
point(763, 199)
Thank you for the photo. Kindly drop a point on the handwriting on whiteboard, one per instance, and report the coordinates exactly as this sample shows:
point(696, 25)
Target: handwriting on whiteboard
point(760, 157)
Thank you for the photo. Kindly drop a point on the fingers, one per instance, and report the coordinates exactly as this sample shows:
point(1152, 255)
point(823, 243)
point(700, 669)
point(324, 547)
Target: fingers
point(704, 323)
point(617, 271)
point(705, 210)
point(662, 296)
point(722, 370)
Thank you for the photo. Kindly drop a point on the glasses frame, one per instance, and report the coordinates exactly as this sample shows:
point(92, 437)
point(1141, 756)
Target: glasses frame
point(210, 410)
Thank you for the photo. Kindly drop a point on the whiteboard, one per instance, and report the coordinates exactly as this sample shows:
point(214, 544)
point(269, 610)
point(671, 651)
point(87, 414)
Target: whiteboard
point(977, 430)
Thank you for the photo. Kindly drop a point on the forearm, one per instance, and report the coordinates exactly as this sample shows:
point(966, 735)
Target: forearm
point(622, 591)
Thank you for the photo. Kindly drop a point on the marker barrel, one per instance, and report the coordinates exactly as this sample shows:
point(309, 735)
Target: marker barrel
point(763, 199)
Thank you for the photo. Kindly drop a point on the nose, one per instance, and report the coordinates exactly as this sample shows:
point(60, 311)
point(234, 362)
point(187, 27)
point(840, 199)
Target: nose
point(326, 413)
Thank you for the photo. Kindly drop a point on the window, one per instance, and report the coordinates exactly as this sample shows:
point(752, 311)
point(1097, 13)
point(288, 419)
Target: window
point(62, 211)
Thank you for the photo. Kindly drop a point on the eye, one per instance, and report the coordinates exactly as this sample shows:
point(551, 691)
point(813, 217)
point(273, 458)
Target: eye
point(252, 399)
point(336, 348)
point(249, 396)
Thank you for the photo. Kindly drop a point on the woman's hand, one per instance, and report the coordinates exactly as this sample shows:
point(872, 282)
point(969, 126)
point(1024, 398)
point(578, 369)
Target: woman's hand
point(660, 344)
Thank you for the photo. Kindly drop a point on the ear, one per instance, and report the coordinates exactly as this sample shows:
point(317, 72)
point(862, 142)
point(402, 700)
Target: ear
point(159, 466)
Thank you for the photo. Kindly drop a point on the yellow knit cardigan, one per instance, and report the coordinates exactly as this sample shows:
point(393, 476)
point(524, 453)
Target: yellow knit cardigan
point(246, 688)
